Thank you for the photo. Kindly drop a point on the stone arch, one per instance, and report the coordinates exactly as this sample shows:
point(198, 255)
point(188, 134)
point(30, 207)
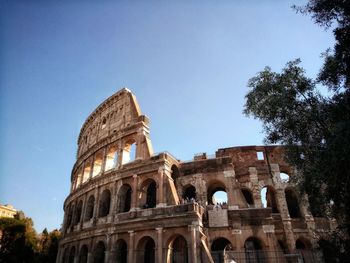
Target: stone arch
point(89, 211)
point(254, 252)
point(129, 151)
point(105, 202)
point(146, 250)
point(111, 157)
point(71, 255)
point(248, 196)
point(284, 177)
point(218, 249)
point(83, 254)
point(124, 198)
point(87, 170)
point(303, 244)
point(99, 252)
point(149, 193)
point(268, 198)
point(189, 192)
point(214, 187)
point(97, 165)
point(177, 250)
point(78, 211)
point(292, 203)
point(121, 251)
point(175, 173)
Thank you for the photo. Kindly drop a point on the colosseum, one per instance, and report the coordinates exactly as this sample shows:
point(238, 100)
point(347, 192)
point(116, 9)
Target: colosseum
point(128, 204)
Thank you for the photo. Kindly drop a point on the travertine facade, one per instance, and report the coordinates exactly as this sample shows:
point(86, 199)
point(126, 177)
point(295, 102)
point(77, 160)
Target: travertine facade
point(7, 211)
point(129, 205)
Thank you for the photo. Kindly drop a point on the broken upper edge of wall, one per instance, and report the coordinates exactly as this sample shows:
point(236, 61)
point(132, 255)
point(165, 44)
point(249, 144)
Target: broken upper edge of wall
point(121, 108)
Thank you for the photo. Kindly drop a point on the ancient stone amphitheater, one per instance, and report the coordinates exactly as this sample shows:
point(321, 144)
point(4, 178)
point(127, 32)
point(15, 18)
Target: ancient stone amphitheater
point(128, 204)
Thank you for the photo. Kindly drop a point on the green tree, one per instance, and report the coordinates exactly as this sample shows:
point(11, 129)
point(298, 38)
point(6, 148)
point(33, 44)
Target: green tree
point(14, 243)
point(314, 126)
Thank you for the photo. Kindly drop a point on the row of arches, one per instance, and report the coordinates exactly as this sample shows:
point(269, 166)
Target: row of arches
point(102, 206)
point(103, 160)
point(145, 252)
point(217, 194)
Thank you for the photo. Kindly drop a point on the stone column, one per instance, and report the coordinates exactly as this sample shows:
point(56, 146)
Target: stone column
point(104, 160)
point(253, 175)
point(131, 253)
point(113, 205)
point(160, 190)
point(238, 243)
point(97, 201)
point(134, 199)
point(159, 244)
point(90, 258)
point(269, 230)
point(194, 241)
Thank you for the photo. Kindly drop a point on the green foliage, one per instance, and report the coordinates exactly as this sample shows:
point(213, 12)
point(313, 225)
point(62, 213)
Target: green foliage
point(14, 247)
point(314, 126)
point(20, 243)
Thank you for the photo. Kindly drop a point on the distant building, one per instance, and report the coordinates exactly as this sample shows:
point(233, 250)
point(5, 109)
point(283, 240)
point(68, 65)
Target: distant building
point(7, 211)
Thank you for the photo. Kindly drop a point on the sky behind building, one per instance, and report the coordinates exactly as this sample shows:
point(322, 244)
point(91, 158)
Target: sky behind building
point(187, 62)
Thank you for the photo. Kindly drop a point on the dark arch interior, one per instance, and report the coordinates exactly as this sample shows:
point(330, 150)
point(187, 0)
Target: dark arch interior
point(89, 208)
point(71, 255)
point(189, 192)
point(252, 243)
point(178, 250)
point(121, 251)
point(248, 197)
point(83, 254)
point(104, 203)
point(151, 196)
point(149, 252)
point(78, 212)
point(99, 253)
point(124, 199)
point(220, 244)
point(292, 203)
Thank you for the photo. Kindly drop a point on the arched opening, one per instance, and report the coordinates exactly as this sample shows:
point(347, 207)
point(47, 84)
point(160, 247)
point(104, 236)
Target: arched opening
point(65, 255)
point(268, 198)
point(121, 251)
point(105, 202)
point(87, 171)
point(175, 173)
point(111, 158)
point(78, 212)
point(146, 250)
point(79, 178)
point(99, 253)
point(254, 251)
point(248, 197)
point(129, 152)
point(217, 193)
point(302, 244)
point(70, 216)
point(83, 254)
point(71, 255)
point(177, 250)
point(189, 193)
point(284, 177)
point(124, 199)
point(97, 163)
point(104, 123)
point(292, 203)
point(148, 194)
point(219, 248)
point(89, 212)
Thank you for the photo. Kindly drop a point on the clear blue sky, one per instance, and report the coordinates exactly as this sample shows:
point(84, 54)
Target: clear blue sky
point(188, 63)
